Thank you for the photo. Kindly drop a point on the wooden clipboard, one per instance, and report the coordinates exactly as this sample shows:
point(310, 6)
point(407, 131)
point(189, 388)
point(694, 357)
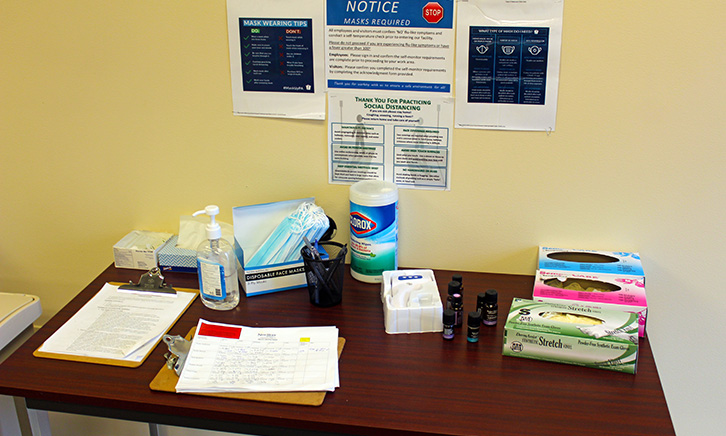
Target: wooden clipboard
point(165, 381)
point(115, 362)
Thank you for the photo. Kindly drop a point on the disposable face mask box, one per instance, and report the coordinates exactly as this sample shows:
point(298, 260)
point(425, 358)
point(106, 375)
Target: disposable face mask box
point(139, 249)
point(604, 291)
point(411, 302)
point(563, 333)
point(252, 225)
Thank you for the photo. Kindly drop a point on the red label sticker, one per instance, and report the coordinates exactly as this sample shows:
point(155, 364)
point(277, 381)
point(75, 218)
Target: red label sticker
point(219, 331)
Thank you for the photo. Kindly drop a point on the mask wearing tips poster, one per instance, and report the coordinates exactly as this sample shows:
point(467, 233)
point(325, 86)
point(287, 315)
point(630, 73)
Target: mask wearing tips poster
point(507, 75)
point(400, 137)
point(276, 58)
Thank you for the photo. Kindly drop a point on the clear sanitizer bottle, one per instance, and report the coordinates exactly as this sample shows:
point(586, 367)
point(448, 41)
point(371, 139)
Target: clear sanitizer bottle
point(217, 267)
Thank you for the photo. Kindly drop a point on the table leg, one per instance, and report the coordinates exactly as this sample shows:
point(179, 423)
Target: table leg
point(39, 422)
point(9, 423)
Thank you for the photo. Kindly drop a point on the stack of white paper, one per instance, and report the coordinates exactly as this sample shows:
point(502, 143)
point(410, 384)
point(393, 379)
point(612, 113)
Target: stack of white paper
point(231, 358)
point(117, 324)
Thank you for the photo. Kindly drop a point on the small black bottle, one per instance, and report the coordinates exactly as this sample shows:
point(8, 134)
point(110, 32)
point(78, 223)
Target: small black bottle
point(457, 305)
point(473, 323)
point(449, 319)
point(480, 303)
point(454, 288)
point(458, 278)
point(490, 309)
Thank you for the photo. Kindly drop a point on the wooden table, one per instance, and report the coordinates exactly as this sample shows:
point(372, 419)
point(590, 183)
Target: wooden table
point(390, 384)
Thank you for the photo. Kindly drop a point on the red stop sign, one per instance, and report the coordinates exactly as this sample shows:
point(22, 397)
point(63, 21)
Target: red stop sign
point(433, 12)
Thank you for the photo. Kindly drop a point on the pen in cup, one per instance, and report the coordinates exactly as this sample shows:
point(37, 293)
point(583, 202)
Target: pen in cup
point(313, 251)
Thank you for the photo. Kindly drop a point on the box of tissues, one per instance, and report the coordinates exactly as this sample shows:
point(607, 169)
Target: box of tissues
point(411, 302)
point(180, 253)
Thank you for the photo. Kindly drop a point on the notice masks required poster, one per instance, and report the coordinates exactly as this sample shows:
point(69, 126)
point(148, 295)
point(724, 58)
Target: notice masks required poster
point(390, 45)
point(508, 63)
point(389, 77)
point(276, 58)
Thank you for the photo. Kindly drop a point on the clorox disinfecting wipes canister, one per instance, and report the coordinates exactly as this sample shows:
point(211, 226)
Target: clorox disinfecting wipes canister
point(373, 229)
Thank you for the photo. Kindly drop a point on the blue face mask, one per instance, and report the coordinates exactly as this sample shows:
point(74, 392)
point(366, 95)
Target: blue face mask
point(285, 242)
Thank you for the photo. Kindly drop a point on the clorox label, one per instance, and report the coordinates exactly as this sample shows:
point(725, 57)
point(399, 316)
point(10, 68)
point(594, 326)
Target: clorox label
point(361, 224)
point(373, 238)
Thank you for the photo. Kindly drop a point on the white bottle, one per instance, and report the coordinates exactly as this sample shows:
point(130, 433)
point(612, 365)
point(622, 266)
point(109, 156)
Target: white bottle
point(373, 229)
point(217, 267)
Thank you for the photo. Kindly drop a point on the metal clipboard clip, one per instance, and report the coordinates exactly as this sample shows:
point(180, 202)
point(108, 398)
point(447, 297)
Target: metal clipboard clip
point(151, 281)
point(178, 350)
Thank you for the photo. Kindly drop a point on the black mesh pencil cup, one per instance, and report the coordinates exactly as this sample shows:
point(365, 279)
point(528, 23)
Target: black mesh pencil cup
point(325, 274)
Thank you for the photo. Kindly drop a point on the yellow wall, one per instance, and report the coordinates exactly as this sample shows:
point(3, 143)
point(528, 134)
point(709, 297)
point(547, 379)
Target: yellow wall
point(117, 116)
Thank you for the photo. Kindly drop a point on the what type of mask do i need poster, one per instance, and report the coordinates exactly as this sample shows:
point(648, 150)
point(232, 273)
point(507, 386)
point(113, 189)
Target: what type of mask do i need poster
point(508, 61)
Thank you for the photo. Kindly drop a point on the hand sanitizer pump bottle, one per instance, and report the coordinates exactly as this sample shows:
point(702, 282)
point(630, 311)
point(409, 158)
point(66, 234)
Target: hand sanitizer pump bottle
point(217, 267)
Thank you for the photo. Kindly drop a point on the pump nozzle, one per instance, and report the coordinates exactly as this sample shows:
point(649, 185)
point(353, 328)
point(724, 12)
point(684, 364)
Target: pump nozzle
point(214, 231)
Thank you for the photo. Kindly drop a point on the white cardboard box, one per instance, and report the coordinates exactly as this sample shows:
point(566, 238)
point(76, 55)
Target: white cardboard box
point(424, 318)
point(138, 249)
